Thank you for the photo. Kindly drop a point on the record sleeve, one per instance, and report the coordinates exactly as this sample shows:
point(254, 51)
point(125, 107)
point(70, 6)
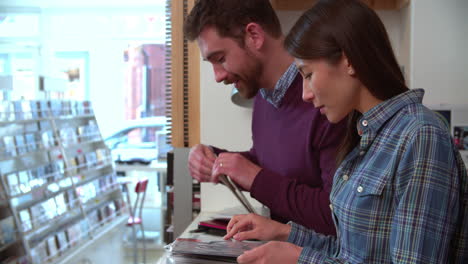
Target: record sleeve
point(225, 250)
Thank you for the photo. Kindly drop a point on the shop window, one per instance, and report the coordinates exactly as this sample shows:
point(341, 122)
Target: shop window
point(145, 81)
point(20, 69)
point(19, 25)
point(74, 68)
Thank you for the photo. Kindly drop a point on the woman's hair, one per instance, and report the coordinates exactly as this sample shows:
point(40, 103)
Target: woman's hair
point(229, 18)
point(333, 27)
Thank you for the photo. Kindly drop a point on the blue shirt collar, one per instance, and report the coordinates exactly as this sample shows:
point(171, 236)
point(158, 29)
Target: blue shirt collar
point(274, 97)
point(371, 121)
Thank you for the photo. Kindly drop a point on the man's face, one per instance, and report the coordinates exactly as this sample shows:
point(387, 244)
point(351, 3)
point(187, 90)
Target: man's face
point(232, 64)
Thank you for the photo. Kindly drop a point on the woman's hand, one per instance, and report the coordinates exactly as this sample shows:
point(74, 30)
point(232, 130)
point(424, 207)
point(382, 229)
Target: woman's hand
point(252, 226)
point(271, 253)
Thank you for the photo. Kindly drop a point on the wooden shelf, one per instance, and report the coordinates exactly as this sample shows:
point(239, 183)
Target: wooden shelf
point(291, 5)
point(387, 4)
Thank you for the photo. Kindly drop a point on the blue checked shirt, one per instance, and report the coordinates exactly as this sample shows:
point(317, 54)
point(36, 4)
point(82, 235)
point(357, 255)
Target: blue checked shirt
point(276, 96)
point(398, 197)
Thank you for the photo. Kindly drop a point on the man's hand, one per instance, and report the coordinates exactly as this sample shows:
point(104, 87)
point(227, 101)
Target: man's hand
point(241, 170)
point(252, 226)
point(201, 160)
point(271, 253)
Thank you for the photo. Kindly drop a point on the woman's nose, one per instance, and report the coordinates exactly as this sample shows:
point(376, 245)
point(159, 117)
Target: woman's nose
point(307, 94)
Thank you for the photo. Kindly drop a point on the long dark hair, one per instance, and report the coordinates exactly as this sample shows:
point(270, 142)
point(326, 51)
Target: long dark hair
point(333, 27)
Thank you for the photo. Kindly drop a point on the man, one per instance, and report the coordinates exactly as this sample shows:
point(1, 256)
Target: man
point(292, 161)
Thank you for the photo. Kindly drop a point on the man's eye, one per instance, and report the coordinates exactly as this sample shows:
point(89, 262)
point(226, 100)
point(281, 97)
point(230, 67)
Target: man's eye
point(220, 60)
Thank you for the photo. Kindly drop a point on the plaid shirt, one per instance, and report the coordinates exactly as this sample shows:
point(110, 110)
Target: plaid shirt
point(276, 96)
point(398, 197)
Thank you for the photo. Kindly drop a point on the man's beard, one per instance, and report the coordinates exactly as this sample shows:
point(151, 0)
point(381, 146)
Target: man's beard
point(249, 86)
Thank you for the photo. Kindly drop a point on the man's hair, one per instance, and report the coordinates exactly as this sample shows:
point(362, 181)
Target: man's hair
point(229, 18)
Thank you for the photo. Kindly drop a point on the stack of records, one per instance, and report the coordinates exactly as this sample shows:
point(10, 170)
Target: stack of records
point(193, 250)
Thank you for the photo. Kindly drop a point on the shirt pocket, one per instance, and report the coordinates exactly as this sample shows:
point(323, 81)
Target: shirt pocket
point(372, 184)
point(366, 216)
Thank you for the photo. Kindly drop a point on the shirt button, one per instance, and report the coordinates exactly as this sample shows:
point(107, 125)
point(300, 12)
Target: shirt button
point(362, 153)
point(331, 207)
point(360, 189)
point(345, 177)
point(364, 123)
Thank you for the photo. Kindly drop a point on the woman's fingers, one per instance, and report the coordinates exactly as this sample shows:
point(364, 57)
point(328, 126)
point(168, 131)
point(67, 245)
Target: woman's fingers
point(243, 227)
point(250, 256)
point(245, 235)
point(234, 220)
point(237, 224)
point(246, 258)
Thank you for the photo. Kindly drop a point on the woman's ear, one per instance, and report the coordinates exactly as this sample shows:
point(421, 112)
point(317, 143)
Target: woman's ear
point(349, 67)
point(254, 36)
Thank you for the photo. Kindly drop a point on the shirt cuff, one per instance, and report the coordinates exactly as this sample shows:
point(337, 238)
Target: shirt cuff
point(216, 150)
point(299, 235)
point(261, 188)
point(309, 255)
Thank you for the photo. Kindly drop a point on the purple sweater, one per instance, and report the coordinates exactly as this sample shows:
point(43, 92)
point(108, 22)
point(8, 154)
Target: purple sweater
point(296, 147)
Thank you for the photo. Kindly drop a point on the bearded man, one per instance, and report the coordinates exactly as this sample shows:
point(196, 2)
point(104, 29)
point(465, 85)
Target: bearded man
point(292, 161)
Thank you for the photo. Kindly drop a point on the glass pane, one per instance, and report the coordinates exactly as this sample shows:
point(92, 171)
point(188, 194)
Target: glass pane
point(15, 25)
point(135, 136)
point(22, 67)
point(149, 26)
point(145, 81)
point(74, 67)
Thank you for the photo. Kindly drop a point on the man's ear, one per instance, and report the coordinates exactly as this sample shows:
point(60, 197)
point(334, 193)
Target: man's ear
point(254, 36)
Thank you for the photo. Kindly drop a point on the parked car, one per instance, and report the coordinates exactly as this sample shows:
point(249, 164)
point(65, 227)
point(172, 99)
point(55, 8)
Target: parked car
point(139, 141)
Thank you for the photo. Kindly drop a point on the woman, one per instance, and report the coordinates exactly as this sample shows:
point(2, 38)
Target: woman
point(400, 192)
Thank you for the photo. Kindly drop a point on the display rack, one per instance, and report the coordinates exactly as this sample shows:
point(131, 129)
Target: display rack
point(58, 186)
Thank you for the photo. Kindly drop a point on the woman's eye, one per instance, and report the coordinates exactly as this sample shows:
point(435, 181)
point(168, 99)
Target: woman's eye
point(221, 60)
point(308, 76)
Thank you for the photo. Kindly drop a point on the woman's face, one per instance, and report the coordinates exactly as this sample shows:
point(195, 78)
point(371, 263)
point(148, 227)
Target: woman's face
point(331, 88)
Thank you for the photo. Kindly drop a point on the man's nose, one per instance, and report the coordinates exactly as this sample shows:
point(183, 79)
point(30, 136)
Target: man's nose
point(220, 73)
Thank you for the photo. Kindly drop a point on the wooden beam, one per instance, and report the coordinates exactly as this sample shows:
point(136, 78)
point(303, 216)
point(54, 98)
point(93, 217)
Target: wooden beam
point(381, 4)
point(289, 5)
point(402, 3)
point(194, 89)
point(177, 74)
point(302, 5)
